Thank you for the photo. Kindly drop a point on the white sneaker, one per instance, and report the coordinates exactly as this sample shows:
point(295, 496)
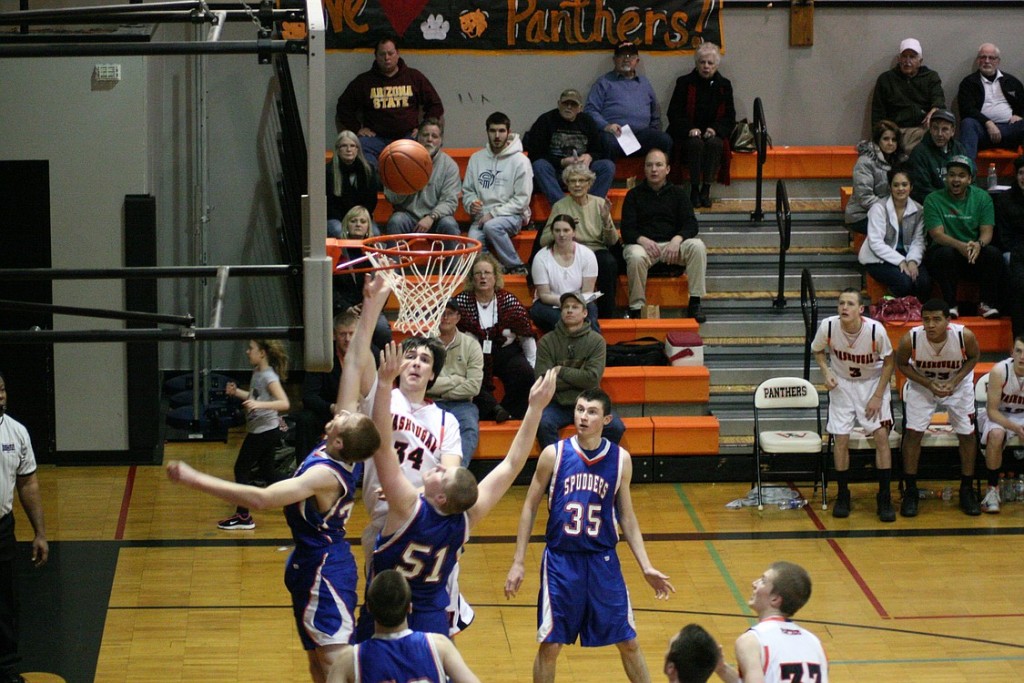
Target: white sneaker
point(954, 313)
point(987, 311)
point(990, 503)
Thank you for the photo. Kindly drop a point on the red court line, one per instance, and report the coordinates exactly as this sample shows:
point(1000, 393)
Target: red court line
point(126, 501)
point(875, 602)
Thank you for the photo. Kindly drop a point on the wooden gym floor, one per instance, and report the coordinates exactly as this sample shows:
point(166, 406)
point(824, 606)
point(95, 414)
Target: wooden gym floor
point(142, 586)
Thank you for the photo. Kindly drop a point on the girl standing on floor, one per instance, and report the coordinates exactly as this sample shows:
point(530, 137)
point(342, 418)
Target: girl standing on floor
point(263, 404)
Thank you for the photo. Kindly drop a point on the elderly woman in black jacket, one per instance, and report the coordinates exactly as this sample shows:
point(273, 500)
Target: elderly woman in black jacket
point(701, 116)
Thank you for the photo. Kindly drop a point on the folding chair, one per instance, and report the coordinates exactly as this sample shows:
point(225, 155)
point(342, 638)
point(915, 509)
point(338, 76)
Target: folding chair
point(791, 394)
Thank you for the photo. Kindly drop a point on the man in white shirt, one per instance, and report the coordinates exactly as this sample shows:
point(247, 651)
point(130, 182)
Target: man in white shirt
point(991, 106)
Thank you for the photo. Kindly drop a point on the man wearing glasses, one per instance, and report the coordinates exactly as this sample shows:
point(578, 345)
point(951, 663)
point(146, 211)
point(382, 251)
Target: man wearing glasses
point(625, 97)
point(565, 136)
point(991, 106)
point(908, 95)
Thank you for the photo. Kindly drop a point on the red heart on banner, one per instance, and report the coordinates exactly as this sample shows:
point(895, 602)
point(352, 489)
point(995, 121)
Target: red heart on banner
point(401, 12)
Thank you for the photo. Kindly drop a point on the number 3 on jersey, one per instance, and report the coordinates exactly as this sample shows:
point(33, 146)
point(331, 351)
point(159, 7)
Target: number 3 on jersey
point(576, 519)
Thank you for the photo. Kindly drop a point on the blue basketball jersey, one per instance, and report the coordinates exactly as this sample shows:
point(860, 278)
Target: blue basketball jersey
point(581, 498)
point(424, 550)
point(397, 658)
point(311, 528)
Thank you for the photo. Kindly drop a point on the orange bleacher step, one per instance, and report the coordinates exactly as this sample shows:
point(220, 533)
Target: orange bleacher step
point(690, 435)
point(657, 384)
point(495, 439)
point(993, 335)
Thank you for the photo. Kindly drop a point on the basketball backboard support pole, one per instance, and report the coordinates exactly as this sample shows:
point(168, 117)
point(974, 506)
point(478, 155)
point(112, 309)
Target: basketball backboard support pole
point(318, 350)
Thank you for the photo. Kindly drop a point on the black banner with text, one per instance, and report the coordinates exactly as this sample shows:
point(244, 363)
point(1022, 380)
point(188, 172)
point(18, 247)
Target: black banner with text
point(498, 25)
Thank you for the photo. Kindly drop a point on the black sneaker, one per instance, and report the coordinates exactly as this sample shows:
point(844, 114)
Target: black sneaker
point(695, 197)
point(969, 501)
point(500, 414)
point(237, 522)
point(516, 270)
point(883, 501)
point(841, 510)
point(908, 507)
point(633, 313)
point(696, 312)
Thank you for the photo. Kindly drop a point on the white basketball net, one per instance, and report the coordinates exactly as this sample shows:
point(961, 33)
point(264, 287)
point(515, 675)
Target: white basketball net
point(424, 287)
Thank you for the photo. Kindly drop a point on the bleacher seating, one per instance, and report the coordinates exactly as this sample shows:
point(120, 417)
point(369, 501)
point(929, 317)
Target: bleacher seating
point(781, 162)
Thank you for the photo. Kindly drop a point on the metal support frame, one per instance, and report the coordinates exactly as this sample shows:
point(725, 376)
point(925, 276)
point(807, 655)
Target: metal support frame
point(761, 145)
point(784, 218)
point(809, 309)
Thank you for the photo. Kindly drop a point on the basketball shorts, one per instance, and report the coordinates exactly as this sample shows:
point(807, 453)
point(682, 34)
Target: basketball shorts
point(921, 404)
point(583, 595)
point(848, 402)
point(986, 425)
point(323, 590)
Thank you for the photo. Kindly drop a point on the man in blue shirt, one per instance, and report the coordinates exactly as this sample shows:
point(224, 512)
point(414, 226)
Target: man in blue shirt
point(623, 97)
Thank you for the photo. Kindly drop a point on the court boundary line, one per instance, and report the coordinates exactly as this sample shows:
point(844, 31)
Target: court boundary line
point(126, 502)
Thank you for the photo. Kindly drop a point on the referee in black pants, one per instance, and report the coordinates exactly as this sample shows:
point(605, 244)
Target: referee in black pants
point(17, 470)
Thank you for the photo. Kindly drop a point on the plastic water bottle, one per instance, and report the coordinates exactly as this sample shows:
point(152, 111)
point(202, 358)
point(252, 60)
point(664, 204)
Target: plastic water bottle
point(1011, 485)
point(1003, 485)
point(928, 493)
point(1018, 487)
point(993, 177)
point(947, 493)
point(797, 503)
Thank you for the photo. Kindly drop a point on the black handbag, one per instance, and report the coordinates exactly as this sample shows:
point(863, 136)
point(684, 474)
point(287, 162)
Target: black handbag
point(643, 351)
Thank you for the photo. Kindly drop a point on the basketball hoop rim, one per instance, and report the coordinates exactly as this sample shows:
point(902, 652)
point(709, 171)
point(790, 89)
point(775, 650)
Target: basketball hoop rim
point(472, 246)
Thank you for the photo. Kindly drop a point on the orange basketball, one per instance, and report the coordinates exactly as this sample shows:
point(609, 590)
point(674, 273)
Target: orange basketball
point(405, 166)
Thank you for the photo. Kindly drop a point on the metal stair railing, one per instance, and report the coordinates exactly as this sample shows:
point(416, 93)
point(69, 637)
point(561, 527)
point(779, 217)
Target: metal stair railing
point(809, 309)
point(761, 146)
point(784, 218)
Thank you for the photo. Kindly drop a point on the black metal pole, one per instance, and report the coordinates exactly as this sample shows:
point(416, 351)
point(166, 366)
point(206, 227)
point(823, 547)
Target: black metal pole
point(136, 316)
point(235, 47)
point(148, 335)
point(142, 272)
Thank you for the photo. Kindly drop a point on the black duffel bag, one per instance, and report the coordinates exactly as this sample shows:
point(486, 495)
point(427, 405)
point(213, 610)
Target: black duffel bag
point(643, 351)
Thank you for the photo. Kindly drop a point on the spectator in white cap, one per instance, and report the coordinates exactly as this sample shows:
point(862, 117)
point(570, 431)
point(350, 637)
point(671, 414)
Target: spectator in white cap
point(908, 94)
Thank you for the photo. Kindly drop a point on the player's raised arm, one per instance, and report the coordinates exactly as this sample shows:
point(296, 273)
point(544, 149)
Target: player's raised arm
point(358, 371)
point(538, 486)
point(631, 530)
point(400, 493)
point(279, 494)
point(498, 480)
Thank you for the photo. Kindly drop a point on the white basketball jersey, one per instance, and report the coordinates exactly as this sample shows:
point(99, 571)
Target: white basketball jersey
point(1011, 395)
point(790, 653)
point(421, 435)
point(856, 357)
point(942, 363)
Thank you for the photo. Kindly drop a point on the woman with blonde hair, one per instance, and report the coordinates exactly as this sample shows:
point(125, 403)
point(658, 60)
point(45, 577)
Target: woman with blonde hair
point(348, 287)
point(351, 181)
point(502, 325)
